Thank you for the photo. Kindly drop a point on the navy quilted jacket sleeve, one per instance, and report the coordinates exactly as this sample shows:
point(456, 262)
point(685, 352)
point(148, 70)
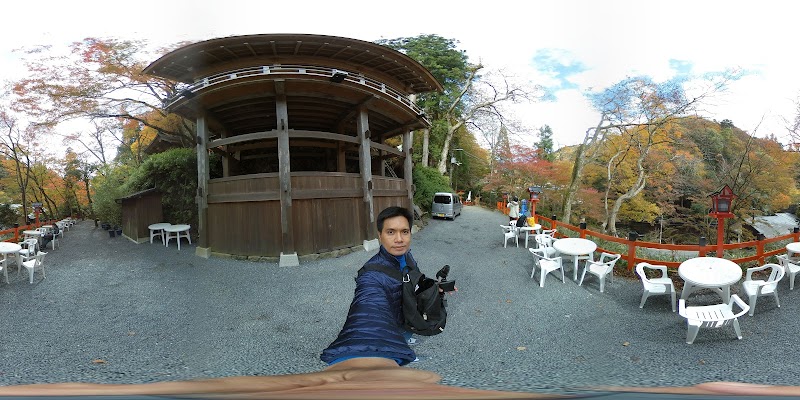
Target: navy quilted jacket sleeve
point(374, 323)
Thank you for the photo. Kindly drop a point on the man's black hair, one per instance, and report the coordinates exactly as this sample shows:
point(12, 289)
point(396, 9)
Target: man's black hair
point(391, 212)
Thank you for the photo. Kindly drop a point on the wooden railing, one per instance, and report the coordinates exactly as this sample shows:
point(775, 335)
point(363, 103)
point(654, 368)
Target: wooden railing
point(13, 234)
point(631, 247)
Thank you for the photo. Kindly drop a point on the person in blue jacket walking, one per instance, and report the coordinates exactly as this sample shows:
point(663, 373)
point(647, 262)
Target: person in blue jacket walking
point(374, 324)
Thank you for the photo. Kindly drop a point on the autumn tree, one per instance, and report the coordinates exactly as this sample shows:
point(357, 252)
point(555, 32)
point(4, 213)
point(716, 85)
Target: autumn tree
point(471, 95)
point(99, 80)
point(15, 145)
point(640, 110)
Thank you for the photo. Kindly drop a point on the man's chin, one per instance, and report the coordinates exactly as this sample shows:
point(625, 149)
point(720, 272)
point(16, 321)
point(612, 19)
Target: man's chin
point(397, 252)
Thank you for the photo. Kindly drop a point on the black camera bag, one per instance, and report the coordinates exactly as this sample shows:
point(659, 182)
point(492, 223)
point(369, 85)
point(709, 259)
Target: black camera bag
point(424, 307)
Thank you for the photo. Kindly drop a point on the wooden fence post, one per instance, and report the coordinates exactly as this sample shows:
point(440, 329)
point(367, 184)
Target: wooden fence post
point(702, 243)
point(760, 248)
point(582, 233)
point(632, 237)
point(553, 224)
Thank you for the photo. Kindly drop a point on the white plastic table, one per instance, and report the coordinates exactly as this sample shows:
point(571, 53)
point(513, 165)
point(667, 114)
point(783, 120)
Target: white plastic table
point(575, 247)
point(792, 249)
point(528, 230)
point(177, 232)
point(7, 248)
point(709, 272)
point(158, 230)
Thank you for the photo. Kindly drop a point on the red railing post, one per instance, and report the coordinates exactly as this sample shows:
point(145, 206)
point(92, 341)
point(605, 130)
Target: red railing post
point(16, 233)
point(796, 234)
point(553, 223)
point(720, 237)
point(632, 236)
point(760, 248)
point(582, 233)
point(703, 242)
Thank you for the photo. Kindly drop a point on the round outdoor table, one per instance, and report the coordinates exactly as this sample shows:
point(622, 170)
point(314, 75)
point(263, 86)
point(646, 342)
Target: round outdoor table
point(158, 230)
point(792, 249)
point(179, 231)
point(709, 272)
point(575, 247)
point(7, 248)
point(527, 230)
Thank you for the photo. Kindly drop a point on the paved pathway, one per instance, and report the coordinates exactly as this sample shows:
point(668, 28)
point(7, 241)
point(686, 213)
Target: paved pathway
point(117, 312)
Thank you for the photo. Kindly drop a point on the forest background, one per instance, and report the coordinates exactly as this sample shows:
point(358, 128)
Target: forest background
point(650, 160)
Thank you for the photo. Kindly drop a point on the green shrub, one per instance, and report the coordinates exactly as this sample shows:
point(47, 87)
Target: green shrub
point(108, 186)
point(428, 181)
point(174, 174)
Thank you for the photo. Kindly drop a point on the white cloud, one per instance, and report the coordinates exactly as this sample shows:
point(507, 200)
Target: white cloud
point(613, 39)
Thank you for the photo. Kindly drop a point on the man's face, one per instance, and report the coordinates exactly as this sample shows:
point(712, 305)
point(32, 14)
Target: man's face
point(396, 235)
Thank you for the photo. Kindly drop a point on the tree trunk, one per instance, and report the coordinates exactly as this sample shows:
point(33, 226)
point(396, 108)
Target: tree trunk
point(641, 180)
point(581, 158)
point(446, 147)
point(426, 139)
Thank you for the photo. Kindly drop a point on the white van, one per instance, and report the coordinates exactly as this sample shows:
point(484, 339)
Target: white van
point(446, 205)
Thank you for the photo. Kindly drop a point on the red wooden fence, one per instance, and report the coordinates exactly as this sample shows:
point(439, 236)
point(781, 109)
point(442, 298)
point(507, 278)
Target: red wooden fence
point(12, 234)
point(757, 248)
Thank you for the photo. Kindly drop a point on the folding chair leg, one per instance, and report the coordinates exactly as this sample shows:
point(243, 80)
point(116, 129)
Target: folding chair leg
point(753, 300)
point(691, 333)
point(646, 294)
point(673, 301)
point(737, 329)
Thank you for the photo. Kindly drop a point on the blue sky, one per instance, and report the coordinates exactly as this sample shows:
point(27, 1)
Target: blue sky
point(570, 47)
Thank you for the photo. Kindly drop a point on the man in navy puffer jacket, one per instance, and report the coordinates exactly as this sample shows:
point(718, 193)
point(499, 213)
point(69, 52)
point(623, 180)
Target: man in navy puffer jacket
point(374, 325)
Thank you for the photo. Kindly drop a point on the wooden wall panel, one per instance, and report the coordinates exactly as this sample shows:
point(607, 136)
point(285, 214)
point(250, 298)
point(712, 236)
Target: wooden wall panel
point(245, 228)
point(328, 212)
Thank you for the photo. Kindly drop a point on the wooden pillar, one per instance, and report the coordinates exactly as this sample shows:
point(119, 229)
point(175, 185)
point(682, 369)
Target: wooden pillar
point(341, 157)
point(362, 126)
point(284, 173)
point(203, 247)
point(408, 173)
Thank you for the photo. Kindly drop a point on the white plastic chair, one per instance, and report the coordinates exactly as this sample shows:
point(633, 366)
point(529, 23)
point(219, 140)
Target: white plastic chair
point(544, 242)
point(662, 285)
point(29, 249)
point(549, 232)
point(546, 265)
point(759, 287)
point(4, 268)
point(791, 268)
point(601, 268)
point(37, 263)
point(510, 232)
point(714, 316)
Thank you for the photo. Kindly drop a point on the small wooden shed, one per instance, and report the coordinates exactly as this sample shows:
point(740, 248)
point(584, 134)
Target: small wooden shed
point(140, 210)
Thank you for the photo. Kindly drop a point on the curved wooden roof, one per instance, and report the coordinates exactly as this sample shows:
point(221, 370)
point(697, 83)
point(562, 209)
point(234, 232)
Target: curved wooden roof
point(197, 60)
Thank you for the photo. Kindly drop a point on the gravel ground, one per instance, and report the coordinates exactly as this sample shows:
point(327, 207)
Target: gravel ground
point(112, 311)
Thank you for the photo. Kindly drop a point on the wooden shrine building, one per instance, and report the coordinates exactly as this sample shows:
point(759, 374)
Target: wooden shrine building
point(313, 134)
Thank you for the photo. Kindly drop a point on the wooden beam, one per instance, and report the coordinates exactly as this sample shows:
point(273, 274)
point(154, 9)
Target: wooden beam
point(273, 134)
point(284, 172)
point(362, 126)
point(202, 182)
point(386, 148)
point(408, 173)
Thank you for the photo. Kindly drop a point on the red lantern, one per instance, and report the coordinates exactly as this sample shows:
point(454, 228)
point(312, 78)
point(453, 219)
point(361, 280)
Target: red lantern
point(721, 202)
